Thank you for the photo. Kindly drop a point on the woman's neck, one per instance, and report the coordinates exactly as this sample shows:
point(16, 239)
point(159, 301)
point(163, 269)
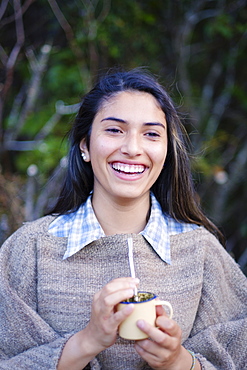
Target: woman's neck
point(128, 216)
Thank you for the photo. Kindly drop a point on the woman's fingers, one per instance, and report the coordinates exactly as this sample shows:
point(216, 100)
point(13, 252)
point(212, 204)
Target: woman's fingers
point(166, 326)
point(105, 319)
point(110, 300)
point(164, 345)
point(151, 352)
point(121, 315)
point(116, 291)
point(118, 285)
point(154, 333)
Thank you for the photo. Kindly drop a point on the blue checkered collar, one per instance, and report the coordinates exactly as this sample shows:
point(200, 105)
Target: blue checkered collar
point(82, 227)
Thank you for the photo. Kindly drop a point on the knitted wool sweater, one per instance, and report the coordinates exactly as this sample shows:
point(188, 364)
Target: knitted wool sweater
point(45, 299)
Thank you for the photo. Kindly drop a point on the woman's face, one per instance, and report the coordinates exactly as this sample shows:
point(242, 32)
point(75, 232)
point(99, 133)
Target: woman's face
point(128, 146)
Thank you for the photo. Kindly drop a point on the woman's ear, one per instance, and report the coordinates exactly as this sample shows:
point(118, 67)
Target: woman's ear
point(84, 151)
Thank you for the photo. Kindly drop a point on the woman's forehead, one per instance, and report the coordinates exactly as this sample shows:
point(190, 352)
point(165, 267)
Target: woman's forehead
point(126, 96)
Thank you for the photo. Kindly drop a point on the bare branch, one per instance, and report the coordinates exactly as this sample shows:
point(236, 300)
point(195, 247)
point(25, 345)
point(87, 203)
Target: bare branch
point(3, 56)
point(10, 62)
point(20, 35)
point(223, 99)
point(47, 128)
point(15, 109)
point(93, 23)
point(3, 7)
point(50, 190)
point(61, 110)
point(208, 88)
point(22, 11)
point(30, 192)
point(105, 11)
point(183, 46)
point(33, 62)
point(68, 32)
point(21, 146)
point(62, 20)
point(237, 172)
point(32, 93)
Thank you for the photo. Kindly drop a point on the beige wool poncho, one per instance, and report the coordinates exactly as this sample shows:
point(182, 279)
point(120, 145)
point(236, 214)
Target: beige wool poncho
point(45, 299)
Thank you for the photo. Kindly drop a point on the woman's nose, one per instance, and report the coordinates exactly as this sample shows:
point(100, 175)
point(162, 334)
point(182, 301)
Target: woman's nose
point(132, 145)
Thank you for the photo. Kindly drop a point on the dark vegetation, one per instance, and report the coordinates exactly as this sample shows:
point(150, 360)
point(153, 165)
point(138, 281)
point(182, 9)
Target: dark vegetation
point(52, 51)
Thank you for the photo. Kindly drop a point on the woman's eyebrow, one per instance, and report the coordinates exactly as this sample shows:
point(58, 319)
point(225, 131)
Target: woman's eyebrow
point(155, 124)
point(114, 119)
point(123, 121)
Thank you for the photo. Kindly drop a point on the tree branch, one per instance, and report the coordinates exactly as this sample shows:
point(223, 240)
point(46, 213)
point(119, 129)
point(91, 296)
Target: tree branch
point(32, 93)
point(22, 11)
point(11, 60)
point(3, 7)
point(62, 21)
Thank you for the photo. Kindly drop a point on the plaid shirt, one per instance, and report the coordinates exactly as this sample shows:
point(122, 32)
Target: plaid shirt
point(82, 228)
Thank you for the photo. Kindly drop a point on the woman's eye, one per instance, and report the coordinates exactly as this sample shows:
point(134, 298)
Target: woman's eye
point(153, 134)
point(113, 130)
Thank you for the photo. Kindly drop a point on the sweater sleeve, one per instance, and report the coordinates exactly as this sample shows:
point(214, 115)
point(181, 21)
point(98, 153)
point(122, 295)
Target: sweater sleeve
point(26, 340)
point(219, 333)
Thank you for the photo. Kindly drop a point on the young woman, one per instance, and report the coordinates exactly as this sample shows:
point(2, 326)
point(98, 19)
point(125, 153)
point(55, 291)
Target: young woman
point(62, 276)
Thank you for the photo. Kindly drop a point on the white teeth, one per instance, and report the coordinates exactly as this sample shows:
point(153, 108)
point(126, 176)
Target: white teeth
point(127, 168)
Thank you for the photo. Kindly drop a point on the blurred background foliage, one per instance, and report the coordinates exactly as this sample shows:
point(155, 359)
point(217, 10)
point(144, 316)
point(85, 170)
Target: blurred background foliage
point(51, 52)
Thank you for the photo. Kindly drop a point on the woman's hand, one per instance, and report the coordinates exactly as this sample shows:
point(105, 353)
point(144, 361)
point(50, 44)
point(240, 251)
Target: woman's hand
point(101, 331)
point(163, 350)
point(104, 322)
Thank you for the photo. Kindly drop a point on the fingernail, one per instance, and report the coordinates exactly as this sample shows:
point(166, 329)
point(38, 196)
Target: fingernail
point(140, 324)
point(136, 280)
point(129, 308)
point(130, 292)
point(167, 323)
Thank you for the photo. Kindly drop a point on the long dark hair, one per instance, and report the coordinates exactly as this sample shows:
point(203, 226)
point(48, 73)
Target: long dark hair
point(174, 188)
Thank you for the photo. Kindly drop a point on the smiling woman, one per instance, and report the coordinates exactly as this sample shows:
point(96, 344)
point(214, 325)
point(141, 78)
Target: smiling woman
point(127, 151)
point(63, 276)
point(174, 187)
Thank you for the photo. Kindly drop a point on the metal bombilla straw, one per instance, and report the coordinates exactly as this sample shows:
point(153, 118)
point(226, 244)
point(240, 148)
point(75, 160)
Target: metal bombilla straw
point(132, 267)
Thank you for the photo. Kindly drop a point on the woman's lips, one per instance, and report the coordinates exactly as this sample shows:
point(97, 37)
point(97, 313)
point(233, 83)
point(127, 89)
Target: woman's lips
point(128, 168)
